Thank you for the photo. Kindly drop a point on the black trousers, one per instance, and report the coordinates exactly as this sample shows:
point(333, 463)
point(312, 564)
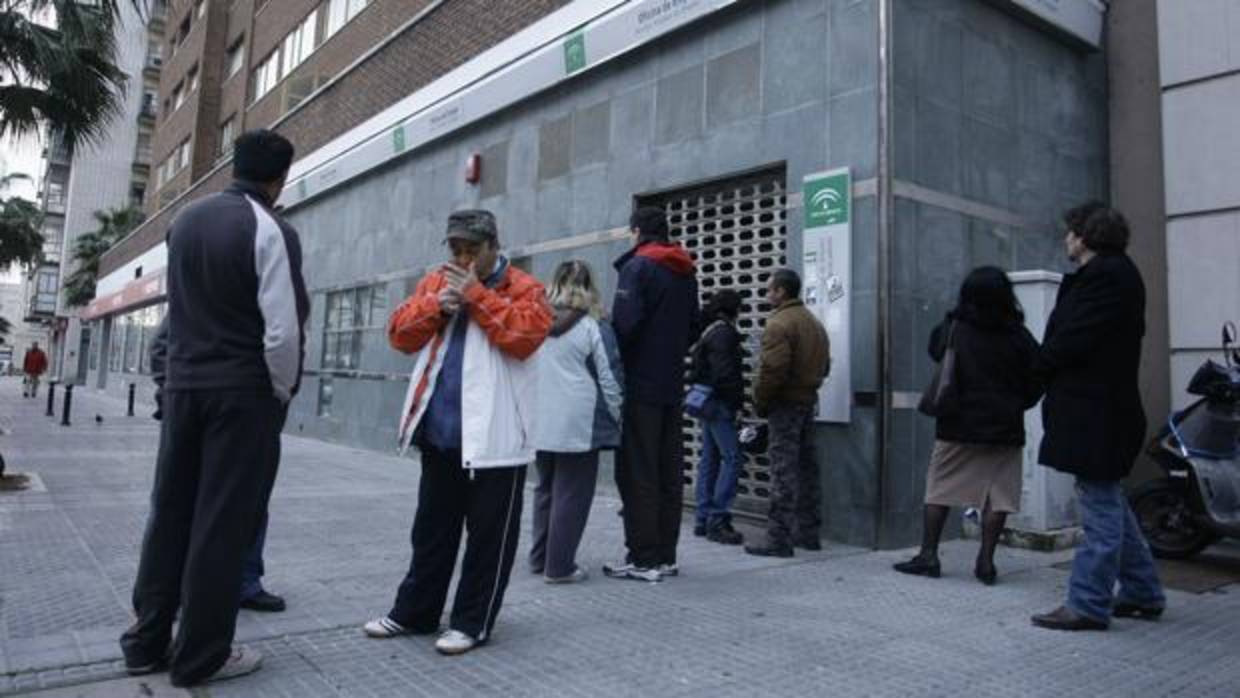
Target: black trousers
point(218, 455)
point(487, 502)
point(651, 482)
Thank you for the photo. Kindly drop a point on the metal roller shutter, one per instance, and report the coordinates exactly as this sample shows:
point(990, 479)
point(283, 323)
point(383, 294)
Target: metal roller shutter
point(735, 230)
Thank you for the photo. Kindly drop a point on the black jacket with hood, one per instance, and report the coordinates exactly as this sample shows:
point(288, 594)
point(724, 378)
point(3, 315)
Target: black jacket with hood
point(656, 318)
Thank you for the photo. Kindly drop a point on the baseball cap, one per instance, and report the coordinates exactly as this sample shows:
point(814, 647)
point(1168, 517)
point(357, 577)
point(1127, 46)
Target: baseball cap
point(474, 225)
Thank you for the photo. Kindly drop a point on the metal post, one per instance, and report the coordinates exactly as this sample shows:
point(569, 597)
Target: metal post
point(886, 207)
point(132, 388)
point(51, 398)
point(64, 417)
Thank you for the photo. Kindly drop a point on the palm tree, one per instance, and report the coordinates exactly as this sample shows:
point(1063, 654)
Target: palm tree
point(63, 77)
point(20, 220)
point(114, 225)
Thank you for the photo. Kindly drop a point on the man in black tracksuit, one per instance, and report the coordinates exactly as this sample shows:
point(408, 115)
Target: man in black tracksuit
point(237, 307)
point(656, 318)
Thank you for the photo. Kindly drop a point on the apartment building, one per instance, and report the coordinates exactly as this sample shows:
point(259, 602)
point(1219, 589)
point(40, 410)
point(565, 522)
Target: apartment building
point(109, 175)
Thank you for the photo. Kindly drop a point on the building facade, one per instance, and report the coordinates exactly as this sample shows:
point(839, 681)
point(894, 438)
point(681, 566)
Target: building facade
point(965, 128)
point(1199, 81)
point(108, 176)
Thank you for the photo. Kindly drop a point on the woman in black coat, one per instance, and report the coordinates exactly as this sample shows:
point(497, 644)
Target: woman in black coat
point(980, 431)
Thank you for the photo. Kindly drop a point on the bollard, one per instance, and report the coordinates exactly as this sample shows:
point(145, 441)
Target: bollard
point(132, 388)
point(64, 417)
point(51, 398)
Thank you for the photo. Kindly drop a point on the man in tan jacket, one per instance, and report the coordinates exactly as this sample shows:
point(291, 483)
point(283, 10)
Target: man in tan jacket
point(796, 357)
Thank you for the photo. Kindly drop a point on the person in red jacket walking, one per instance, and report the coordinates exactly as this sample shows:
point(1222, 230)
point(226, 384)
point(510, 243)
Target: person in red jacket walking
point(34, 366)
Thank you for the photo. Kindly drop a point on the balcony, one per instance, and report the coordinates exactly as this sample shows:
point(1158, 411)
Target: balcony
point(153, 64)
point(42, 287)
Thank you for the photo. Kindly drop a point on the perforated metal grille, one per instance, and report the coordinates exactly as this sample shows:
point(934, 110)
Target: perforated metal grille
point(735, 230)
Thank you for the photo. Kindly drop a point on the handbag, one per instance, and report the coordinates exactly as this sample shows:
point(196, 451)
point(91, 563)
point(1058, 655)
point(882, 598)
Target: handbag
point(939, 397)
point(696, 399)
point(699, 393)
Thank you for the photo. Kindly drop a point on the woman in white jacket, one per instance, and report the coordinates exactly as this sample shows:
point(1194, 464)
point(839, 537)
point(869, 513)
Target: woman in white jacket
point(579, 400)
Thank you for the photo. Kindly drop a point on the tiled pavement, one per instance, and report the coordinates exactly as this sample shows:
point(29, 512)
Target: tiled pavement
point(830, 623)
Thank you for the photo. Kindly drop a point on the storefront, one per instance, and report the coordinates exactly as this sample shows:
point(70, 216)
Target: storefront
point(961, 144)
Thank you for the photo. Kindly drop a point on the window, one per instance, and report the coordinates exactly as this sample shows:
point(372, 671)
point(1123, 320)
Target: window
point(137, 195)
point(266, 75)
point(133, 343)
point(116, 345)
point(339, 12)
point(149, 100)
point(182, 156)
point(193, 79)
point(55, 196)
point(317, 27)
point(178, 96)
point(143, 151)
point(200, 8)
point(234, 59)
point(227, 134)
point(349, 315)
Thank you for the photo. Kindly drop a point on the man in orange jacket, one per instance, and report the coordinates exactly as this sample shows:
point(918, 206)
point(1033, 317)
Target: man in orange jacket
point(34, 365)
point(473, 322)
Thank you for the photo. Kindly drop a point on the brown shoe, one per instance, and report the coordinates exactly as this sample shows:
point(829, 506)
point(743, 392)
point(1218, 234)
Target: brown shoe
point(1064, 618)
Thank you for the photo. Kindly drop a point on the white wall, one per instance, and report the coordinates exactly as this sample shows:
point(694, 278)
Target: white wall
point(1199, 56)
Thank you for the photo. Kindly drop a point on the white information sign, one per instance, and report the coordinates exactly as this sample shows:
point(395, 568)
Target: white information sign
point(827, 274)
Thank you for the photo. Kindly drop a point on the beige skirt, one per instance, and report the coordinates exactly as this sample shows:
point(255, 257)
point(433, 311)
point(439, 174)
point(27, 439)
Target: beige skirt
point(975, 475)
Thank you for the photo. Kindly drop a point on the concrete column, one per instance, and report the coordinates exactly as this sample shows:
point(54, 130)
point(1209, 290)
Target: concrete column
point(1137, 187)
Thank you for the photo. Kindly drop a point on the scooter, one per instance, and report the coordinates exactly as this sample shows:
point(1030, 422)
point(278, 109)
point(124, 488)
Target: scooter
point(1198, 503)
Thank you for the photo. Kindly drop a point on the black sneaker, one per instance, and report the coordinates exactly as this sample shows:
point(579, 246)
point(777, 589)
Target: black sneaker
point(264, 602)
point(1132, 610)
point(725, 535)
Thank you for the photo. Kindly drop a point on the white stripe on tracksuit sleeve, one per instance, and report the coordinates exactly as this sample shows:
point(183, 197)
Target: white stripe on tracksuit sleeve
point(612, 393)
point(278, 303)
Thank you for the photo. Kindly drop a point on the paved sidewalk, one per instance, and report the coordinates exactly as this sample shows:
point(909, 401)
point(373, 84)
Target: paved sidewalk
point(829, 623)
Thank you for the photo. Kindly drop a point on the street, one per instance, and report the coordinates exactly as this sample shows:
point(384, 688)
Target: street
point(838, 622)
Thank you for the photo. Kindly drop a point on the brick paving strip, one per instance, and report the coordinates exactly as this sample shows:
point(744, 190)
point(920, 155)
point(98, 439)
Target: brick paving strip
point(832, 622)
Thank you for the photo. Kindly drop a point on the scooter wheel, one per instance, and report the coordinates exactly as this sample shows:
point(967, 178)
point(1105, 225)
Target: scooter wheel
point(1167, 520)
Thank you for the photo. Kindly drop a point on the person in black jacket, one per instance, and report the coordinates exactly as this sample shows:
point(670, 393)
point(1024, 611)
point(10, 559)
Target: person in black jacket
point(655, 315)
point(237, 307)
point(980, 431)
point(1094, 422)
point(717, 364)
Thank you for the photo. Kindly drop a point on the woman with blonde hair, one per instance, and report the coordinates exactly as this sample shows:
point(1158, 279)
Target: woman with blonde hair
point(579, 400)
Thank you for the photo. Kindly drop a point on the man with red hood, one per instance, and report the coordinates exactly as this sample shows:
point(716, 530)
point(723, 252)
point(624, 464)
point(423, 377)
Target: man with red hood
point(655, 316)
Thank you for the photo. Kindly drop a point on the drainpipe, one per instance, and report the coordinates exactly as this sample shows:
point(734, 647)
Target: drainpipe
point(885, 212)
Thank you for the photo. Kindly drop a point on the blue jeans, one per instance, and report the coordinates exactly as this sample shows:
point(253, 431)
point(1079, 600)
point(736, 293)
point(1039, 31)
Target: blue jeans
point(252, 572)
point(1114, 549)
point(717, 473)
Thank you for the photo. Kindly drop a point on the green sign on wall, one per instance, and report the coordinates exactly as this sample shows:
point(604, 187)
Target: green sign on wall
point(398, 139)
point(827, 200)
point(574, 53)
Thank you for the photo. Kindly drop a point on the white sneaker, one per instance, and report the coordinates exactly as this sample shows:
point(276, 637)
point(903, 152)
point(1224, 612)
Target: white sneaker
point(669, 570)
point(628, 570)
point(240, 663)
point(454, 642)
point(384, 627)
point(579, 574)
